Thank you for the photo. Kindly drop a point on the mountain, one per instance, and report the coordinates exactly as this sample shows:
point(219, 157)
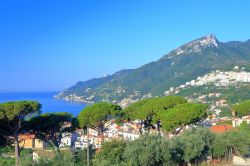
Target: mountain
point(181, 65)
point(219, 89)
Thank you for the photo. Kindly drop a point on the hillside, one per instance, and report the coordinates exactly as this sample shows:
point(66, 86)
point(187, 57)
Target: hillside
point(181, 65)
point(219, 89)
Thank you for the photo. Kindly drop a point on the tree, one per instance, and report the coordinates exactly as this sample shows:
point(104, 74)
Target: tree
point(196, 145)
point(4, 133)
point(242, 109)
point(13, 115)
point(96, 115)
point(231, 143)
point(172, 111)
point(50, 127)
point(142, 108)
point(111, 153)
point(182, 114)
point(148, 150)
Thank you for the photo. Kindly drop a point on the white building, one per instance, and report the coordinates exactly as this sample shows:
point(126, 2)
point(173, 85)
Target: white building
point(237, 122)
point(68, 139)
point(129, 135)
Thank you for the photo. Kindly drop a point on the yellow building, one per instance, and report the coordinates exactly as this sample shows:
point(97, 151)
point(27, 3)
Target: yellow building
point(26, 141)
point(29, 141)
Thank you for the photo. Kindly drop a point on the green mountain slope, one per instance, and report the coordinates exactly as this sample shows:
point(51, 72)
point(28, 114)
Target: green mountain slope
point(183, 64)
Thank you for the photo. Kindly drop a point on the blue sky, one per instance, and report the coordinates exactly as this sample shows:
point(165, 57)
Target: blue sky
point(48, 45)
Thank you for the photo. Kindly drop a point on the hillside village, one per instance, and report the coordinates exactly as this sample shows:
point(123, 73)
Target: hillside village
point(168, 118)
point(208, 88)
point(217, 78)
point(132, 130)
point(237, 78)
point(128, 130)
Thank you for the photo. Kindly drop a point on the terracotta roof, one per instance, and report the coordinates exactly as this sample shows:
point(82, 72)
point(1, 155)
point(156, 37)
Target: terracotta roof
point(26, 136)
point(118, 127)
point(221, 128)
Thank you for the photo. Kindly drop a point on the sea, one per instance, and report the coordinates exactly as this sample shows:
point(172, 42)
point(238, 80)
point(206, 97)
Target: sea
point(49, 103)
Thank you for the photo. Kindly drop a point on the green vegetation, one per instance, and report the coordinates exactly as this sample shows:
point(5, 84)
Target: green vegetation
point(233, 94)
point(242, 109)
point(235, 142)
point(111, 153)
point(193, 146)
point(173, 111)
point(148, 150)
point(8, 160)
point(157, 77)
point(93, 115)
point(65, 158)
point(141, 109)
point(183, 114)
point(49, 127)
point(12, 115)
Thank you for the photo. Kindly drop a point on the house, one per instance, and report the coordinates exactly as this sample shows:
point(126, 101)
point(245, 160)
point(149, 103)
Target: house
point(29, 141)
point(68, 139)
point(93, 132)
point(130, 136)
point(82, 141)
point(39, 144)
point(238, 121)
point(97, 142)
point(221, 103)
point(221, 128)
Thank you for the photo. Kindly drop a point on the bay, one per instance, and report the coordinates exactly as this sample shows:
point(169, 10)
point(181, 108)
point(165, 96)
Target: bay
point(49, 104)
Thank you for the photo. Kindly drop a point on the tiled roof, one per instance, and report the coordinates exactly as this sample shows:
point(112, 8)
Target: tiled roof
point(221, 128)
point(26, 136)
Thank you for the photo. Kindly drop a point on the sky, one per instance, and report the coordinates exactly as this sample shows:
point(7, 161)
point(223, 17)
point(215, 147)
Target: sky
point(49, 45)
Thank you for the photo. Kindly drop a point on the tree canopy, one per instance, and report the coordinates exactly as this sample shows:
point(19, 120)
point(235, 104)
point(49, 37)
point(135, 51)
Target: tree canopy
point(18, 110)
point(111, 153)
point(195, 144)
point(142, 108)
point(236, 142)
point(50, 127)
point(12, 115)
point(148, 150)
point(182, 115)
point(242, 109)
point(93, 115)
point(174, 111)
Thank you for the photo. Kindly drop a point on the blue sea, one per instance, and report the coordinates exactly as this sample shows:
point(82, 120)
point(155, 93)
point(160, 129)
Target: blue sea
point(49, 104)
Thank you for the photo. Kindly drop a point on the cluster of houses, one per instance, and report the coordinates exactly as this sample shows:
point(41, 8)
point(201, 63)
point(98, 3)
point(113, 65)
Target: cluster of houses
point(129, 130)
point(218, 78)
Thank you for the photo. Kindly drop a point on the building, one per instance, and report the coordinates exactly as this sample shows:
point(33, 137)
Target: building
point(221, 128)
point(68, 139)
point(238, 121)
point(130, 136)
point(29, 141)
point(82, 141)
point(39, 144)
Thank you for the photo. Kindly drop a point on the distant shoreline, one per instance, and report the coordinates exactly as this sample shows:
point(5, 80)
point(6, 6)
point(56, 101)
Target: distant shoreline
point(49, 103)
